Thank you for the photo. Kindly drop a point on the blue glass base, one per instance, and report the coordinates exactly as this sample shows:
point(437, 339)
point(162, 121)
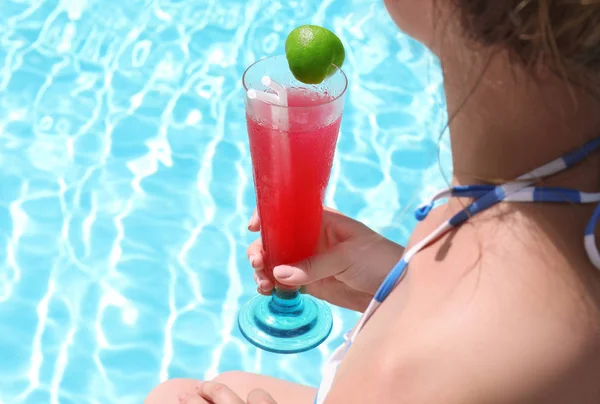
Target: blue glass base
point(286, 322)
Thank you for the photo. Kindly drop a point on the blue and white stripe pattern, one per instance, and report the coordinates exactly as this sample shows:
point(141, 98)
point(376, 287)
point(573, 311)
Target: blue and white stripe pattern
point(519, 190)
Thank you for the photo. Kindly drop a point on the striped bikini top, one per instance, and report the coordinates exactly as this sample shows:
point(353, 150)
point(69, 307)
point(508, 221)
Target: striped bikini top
point(486, 196)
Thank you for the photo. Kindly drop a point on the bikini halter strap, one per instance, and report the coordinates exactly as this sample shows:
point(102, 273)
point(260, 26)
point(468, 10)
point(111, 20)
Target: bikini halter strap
point(519, 190)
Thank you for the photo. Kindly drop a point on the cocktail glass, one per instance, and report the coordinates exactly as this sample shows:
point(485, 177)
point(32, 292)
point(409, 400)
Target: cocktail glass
point(293, 129)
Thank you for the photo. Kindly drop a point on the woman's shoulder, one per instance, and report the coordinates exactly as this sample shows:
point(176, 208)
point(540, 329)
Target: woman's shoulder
point(490, 312)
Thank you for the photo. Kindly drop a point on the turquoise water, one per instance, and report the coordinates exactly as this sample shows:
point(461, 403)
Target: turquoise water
point(125, 183)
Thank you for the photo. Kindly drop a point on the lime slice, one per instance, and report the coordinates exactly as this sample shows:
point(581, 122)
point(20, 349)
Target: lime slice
point(311, 51)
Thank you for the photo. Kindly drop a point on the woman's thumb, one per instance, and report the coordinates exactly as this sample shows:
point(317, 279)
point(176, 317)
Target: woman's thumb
point(313, 269)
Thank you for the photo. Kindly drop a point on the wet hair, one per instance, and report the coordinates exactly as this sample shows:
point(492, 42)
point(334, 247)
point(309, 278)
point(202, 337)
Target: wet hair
point(563, 35)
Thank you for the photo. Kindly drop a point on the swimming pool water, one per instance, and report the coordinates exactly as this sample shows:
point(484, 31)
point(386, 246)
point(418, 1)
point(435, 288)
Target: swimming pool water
point(125, 185)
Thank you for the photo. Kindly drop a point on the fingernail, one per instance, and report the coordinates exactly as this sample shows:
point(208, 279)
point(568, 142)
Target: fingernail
point(252, 258)
point(251, 222)
point(262, 285)
point(283, 272)
point(184, 397)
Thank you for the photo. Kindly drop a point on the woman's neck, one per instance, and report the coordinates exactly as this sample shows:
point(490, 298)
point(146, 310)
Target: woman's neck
point(506, 124)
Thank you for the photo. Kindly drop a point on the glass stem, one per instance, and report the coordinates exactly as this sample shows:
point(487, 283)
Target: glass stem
point(286, 302)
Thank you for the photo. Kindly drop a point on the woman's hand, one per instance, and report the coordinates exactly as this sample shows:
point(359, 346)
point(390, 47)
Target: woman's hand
point(351, 262)
point(217, 393)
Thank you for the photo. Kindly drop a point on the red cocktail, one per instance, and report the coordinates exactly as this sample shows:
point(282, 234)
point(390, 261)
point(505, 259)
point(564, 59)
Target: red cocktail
point(291, 170)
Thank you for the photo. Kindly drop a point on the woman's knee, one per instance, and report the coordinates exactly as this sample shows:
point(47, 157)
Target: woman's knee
point(231, 378)
point(168, 392)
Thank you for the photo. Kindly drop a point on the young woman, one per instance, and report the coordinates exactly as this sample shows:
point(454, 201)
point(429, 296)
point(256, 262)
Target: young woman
point(497, 298)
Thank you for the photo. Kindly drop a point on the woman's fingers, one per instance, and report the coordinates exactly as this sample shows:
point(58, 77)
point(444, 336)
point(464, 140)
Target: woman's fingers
point(260, 396)
point(218, 393)
point(254, 224)
point(256, 259)
point(337, 228)
point(324, 265)
point(256, 255)
point(263, 285)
